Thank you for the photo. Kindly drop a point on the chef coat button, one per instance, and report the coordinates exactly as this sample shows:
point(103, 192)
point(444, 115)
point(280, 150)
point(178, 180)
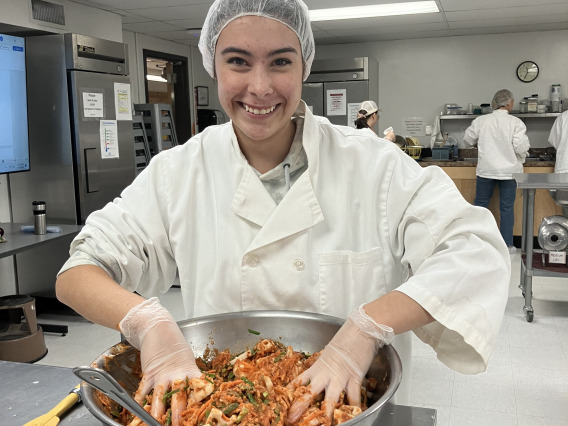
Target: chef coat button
point(253, 261)
point(299, 264)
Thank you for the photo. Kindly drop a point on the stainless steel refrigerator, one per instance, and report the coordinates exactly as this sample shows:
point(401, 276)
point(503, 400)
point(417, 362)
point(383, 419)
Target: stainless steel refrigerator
point(336, 87)
point(81, 158)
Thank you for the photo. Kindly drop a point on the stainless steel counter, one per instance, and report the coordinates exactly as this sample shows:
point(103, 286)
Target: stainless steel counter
point(529, 183)
point(28, 391)
point(541, 180)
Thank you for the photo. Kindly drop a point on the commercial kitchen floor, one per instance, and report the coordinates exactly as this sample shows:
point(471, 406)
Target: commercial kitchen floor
point(526, 382)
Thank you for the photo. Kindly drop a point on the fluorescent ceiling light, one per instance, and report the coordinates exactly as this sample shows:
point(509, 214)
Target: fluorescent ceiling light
point(373, 11)
point(156, 78)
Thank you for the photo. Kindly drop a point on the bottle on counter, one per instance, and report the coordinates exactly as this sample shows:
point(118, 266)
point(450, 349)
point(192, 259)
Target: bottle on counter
point(555, 98)
point(40, 219)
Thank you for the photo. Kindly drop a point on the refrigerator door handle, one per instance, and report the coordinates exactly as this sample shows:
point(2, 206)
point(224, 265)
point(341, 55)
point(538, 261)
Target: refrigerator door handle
point(92, 170)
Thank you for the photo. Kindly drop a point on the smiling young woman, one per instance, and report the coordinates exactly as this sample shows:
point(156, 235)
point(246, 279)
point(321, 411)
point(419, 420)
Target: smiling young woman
point(259, 81)
point(280, 210)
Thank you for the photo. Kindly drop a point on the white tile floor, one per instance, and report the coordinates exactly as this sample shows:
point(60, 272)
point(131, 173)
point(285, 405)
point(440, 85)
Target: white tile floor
point(526, 382)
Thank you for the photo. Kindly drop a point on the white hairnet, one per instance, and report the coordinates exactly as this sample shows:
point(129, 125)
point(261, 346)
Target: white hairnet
point(292, 13)
point(501, 98)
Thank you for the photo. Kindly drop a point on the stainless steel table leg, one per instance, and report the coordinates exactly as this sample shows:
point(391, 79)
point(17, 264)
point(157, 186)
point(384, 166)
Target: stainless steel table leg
point(526, 280)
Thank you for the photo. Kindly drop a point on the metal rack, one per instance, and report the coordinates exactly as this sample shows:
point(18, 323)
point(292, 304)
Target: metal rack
point(529, 183)
point(142, 153)
point(159, 125)
point(521, 116)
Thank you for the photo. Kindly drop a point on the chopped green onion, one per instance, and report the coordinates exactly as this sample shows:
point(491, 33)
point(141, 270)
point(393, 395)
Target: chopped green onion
point(115, 413)
point(254, 332)
point(251, 398)
point(230, 408)
point(207, 414)
point(241, 415)
point(247, 381)
point(231, 375)
point(211, 375)
point(168, 394)
point(279, 357)
point(169, 418)
point(209, 381)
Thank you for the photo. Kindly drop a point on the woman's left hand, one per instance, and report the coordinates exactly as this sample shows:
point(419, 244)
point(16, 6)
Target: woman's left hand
point(342, 364)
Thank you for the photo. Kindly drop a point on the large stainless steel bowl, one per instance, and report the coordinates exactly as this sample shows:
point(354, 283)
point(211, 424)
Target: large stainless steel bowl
point(303, 331)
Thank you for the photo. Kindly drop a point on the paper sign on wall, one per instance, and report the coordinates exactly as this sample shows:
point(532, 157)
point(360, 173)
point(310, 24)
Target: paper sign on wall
point(413, 126)
point(93, 104)
point(122, 104)
point(336, 102)
point(108, 131)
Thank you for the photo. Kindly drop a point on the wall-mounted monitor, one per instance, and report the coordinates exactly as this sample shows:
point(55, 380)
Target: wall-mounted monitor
point(14, 145)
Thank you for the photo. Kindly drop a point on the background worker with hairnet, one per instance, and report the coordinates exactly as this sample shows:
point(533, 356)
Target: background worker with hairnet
point(502, 148)
point(280, 210)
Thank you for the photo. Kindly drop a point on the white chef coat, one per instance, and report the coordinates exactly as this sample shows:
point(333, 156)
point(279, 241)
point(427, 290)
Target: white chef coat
point(363, 220)
point(504, 144)
point(559, 139)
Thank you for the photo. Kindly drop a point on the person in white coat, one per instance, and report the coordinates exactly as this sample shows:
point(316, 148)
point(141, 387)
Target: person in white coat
point(368, 116)
point(558, 138)
point(502, 148)
point(279, 210)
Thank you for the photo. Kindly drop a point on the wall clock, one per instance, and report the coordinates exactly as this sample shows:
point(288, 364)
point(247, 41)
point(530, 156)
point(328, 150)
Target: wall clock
point(527, 71)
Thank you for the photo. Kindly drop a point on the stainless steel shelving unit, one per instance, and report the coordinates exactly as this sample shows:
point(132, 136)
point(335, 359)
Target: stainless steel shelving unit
point(521, 116)
point(529, 183)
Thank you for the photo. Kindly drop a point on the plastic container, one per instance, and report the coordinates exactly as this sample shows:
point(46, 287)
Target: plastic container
point(555, 92)
point(442, 153)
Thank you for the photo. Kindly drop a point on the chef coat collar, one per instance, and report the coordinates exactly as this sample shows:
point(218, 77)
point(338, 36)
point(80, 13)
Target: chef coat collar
point(299, 209)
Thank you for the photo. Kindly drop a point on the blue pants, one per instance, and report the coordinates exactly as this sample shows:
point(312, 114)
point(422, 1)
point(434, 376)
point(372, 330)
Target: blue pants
point(507, 193)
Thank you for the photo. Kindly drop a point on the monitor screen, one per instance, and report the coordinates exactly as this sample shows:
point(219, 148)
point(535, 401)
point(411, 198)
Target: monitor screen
point(14, 146)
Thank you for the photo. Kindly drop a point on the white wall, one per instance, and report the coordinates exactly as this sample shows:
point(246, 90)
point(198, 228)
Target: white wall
point(79, 19)
point(417, 77)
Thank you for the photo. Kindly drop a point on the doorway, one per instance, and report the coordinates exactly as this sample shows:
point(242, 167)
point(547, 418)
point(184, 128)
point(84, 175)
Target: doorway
point(167, 82)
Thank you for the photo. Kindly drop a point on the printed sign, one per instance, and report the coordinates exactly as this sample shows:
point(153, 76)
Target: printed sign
point(93, 104)
point(337, 102)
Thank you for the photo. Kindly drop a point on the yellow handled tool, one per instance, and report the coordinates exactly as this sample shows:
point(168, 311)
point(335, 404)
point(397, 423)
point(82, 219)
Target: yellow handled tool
point(52, 418)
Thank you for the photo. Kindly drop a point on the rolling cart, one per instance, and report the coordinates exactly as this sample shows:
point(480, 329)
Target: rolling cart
point(531, 263)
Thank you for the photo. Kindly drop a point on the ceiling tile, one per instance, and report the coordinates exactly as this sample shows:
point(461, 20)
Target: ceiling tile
point(455, 5)
point(149, 27)
point(175, 12)
point(474, 15)
point(517, 21)
point(168, 19)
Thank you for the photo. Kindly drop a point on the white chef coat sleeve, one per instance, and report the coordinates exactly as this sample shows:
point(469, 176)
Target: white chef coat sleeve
point(459, 262)
point(128, 238)
point(471, 134)
point(556, 132)
point(521, 144)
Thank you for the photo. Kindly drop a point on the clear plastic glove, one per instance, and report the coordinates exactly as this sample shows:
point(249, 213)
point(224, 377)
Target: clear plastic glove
point(165, 354)
point(342, 364)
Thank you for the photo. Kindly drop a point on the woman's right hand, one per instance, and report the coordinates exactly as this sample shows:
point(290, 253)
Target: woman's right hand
point(166, 356)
